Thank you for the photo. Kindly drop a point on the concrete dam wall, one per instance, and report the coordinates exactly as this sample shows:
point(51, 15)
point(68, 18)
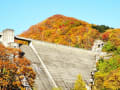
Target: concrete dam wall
point(62, 62)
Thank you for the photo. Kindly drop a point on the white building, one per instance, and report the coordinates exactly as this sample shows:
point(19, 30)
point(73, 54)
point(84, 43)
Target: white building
point(7, 38)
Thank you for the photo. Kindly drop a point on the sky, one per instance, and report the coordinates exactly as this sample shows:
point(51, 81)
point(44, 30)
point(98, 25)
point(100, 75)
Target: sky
point(21, 14)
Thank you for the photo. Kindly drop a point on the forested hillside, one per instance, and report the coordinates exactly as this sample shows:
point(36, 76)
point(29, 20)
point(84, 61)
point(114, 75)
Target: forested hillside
point(65, 30)
point(107, 76)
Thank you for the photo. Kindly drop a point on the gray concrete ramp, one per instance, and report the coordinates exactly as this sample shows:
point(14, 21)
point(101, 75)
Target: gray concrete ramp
point(65, 63)
point(42, 81)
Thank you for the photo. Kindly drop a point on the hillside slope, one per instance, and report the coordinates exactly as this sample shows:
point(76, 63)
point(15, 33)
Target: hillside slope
point(112, 35)
point(108, 69)
point(63, 30)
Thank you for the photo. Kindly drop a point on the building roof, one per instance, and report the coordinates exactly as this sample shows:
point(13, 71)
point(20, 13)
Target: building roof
point(22, 38)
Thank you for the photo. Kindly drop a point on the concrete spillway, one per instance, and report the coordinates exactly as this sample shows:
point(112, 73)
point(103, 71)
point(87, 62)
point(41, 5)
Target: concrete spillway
point(41, 82)
point(63, 63)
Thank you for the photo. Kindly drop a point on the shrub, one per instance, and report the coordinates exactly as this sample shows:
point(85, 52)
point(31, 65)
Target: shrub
point(109, 47)
point(79, 84)
point(118, 50)
point(108, 65)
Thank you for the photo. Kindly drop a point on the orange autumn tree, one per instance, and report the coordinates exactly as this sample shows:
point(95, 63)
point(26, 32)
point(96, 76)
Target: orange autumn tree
point(13, 69)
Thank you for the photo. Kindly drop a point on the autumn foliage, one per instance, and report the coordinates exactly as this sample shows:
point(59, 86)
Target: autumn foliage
point(63, 30)
point(13, 69)
point(112, 35)
point(107, 76)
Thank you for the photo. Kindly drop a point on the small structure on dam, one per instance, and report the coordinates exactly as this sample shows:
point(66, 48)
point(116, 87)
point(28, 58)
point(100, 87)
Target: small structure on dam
point(7, 38)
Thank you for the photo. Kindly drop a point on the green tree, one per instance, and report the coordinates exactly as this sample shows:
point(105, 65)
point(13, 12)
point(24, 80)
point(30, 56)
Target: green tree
point(101, 28)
